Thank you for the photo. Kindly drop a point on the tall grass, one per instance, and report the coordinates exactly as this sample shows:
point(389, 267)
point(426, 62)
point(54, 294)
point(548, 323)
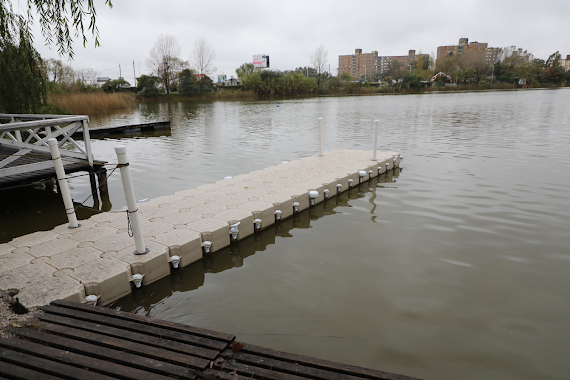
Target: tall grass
point(95, 103)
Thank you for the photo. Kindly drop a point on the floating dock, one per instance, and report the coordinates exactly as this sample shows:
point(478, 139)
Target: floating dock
point(97, 259)
point(127, 129)
point(78, 341)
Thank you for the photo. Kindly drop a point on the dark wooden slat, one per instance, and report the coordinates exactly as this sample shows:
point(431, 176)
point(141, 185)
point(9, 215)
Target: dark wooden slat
point(137, 327)
point(103, 353)
point(254, 372)
point(323, 364)
point(48, 367)
point(77, 360)
point(21, 373)
point(125, 345)
point(225, 375)
point(146, 320)
point(286, 367)
point(132, 336)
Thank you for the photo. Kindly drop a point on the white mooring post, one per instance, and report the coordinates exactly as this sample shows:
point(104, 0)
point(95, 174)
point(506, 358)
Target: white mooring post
point(375, 140)
point(121, 151)
point(63, 187)
point(320, 136)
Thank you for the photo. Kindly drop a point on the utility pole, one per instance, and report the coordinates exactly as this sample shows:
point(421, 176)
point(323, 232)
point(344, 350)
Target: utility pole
point(134, 74)
point(120, 74)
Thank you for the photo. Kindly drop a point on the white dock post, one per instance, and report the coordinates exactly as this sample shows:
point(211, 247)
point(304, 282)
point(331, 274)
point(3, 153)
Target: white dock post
point(375, 140)
point(320, 136)
point(63, 187)
point(121, 152)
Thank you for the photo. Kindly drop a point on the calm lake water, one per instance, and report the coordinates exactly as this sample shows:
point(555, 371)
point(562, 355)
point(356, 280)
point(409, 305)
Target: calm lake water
point(457, 267)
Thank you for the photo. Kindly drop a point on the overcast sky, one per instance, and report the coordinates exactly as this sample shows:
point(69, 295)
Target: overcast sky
point(289, 31)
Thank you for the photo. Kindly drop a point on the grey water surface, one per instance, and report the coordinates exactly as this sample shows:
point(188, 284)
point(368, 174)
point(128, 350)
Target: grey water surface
point(457, 267)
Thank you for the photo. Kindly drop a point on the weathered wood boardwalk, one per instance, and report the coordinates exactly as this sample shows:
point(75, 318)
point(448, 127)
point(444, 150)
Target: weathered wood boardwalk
point(12, 176)
point(77, 341)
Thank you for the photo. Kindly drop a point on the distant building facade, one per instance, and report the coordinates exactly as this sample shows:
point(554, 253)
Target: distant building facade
point(469, 49)
point(358, 64)
point(565, 63)
point(364, 65)
point(404, 60)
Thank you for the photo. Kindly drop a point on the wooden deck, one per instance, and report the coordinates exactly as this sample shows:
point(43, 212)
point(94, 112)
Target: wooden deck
point(38, 158)
point(79, 341)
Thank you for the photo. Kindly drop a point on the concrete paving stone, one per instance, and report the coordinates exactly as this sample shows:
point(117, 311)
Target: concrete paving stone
point(184, 243)
point(166, 199)
point(52, 247)
point(244, 217)
point(156, 210)
point(41, 259)
point(85, 225)
point(261, 210)
point(214, 230)
point(181, 217)
point(11, 260)
point(73, 258)
point(34, 238)
point(154, 264)
point(6, 248)
point(106, 216)
point(114, 243)
point(107, 278)
point(52, 288)
point(92, 234)
point(22, 276)
point(207, 208)
point(156, 226)
point(231, 199)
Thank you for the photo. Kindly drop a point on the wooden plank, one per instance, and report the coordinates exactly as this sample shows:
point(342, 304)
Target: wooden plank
point(125, 345)
point(146, 320)
point(286, 367)
point(323, 364)
point(48, 367)
point(22, 373)
point(253, 372)
point(103, 353)
point(132, 336)
point(77, 360)
point(137, 327)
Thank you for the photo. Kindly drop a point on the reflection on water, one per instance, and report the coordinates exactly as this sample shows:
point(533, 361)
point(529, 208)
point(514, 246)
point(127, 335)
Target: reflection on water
point(458, 268)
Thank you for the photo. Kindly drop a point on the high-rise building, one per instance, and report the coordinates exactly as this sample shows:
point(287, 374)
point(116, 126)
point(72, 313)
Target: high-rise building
point(404, 60)
point(364, 66)
point(359, 65)
point(565, 63)
point(469, 49)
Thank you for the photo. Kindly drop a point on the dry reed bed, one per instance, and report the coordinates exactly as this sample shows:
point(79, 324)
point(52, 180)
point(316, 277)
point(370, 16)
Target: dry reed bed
point(97, 103)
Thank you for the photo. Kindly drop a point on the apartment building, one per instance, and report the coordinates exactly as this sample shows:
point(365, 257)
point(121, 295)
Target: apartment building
point(466, 48)
point(565, 63)
point(404, 60)
point(364, 66)
point(359, 65)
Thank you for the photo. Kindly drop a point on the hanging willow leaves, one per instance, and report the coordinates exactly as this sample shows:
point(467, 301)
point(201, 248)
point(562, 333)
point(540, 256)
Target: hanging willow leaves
point(22, 81)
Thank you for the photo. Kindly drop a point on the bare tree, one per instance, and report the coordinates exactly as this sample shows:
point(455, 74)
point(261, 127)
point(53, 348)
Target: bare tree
point(319, 60)
point(203, 57)
point(87, 76)
point(164, 56)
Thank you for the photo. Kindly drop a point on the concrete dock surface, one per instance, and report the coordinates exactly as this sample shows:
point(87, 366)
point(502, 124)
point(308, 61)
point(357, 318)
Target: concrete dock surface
point(98, 257)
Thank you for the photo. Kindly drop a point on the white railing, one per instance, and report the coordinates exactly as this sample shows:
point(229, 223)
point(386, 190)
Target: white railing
point(29, 133)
